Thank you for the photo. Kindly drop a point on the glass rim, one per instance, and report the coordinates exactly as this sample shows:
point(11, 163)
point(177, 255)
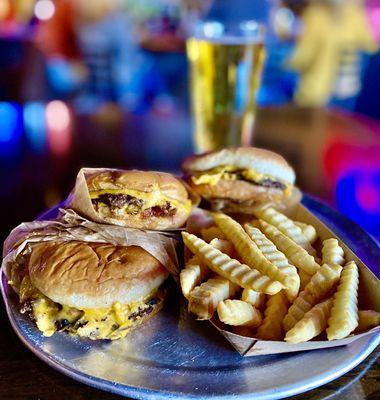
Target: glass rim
point(249, 30)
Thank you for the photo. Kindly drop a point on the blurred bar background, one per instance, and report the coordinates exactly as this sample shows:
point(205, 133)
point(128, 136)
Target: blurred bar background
point(105, 83)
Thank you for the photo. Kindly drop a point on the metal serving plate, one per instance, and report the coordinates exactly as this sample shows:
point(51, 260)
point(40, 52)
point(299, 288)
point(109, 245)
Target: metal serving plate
point(172, 356)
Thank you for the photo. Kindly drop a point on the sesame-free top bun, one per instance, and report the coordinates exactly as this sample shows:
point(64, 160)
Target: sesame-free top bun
point(144, 181)
point(93, 275)
point(162, 185)
point(260, 160)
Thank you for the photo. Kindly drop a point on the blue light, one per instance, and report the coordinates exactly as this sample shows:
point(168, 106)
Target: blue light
point(10, 129)
point(35, 125)
point(8, 121)
point(356, 195)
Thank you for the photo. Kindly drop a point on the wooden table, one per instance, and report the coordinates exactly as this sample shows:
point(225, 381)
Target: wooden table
point(36, 181)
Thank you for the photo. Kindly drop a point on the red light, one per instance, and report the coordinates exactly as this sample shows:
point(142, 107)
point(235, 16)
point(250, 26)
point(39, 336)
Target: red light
point(58, 115)
point(58, 121)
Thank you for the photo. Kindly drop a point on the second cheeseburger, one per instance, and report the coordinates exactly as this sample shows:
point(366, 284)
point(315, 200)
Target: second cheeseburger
point(237, 179)
point(139, 199)
point(93, 290)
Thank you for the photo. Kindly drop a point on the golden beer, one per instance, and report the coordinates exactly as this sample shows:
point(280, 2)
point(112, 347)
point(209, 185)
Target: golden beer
point(224, 77)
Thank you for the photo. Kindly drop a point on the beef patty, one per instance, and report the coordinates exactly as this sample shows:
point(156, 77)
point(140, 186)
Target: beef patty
point(134, 205)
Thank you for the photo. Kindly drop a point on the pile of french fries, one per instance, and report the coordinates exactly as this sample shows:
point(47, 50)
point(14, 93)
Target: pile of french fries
point(264, 278)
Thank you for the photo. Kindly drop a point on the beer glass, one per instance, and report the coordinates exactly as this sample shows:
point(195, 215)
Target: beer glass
point(225, 68)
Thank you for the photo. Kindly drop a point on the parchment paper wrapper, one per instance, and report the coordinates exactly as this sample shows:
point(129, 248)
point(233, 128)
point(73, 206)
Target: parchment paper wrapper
point(369, 294)
point(70, 226)
point(80, 201)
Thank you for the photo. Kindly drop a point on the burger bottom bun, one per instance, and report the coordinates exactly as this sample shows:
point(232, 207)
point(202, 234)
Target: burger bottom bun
point(280, 202)
point(120, 217)
point(239, 191)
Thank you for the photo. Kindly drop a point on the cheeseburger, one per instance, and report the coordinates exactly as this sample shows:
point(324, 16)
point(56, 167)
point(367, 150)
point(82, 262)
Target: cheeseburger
point(139, 199)
point(93, 290)
point(238, 179)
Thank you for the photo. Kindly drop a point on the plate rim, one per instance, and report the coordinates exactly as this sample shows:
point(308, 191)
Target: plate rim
point(372, 341)
point(143, 393)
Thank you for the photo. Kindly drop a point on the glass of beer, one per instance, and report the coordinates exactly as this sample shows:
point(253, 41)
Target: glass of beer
point(225, 69)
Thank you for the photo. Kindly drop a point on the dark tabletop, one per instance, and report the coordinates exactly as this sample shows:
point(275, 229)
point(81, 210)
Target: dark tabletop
point(33, 181)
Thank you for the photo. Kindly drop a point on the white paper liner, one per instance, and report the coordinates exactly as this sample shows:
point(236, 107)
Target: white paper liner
point(70, 226)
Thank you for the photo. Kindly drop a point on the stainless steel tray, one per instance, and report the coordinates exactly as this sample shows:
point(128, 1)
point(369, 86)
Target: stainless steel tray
point(173, 356)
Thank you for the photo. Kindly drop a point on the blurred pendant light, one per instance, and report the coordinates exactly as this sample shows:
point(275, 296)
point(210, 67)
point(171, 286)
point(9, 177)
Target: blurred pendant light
point(44, 9)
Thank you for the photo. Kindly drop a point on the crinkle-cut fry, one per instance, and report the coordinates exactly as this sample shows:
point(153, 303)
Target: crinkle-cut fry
point(252, 297)
point(312, 324)
point(304, 279)
point(211, 233)
point(223, 245)
point(344, 313)
point(322, 283)
point(267, 247)
point(368, 319)
point(275, 256)
point(332, 253)
point(294, 291)
point(301, 305)
point(308, 231)
point(230, 268)
point(296, 254)
point(196, 271)
point(275, 311)
point(284, 225)
point(191, 276)
point(249, 252)
point(204, 299)
point(238, 313)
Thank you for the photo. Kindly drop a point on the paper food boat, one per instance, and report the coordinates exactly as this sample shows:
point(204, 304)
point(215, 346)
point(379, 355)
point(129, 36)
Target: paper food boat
point(369, 298)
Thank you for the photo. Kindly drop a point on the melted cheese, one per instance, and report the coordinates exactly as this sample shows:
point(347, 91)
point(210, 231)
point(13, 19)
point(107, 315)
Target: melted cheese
point(213, 176)
point(252, 175)
point(46, 313)
point(151, 199)
point(102, 323)
point(108, 323)
point(228, 172)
